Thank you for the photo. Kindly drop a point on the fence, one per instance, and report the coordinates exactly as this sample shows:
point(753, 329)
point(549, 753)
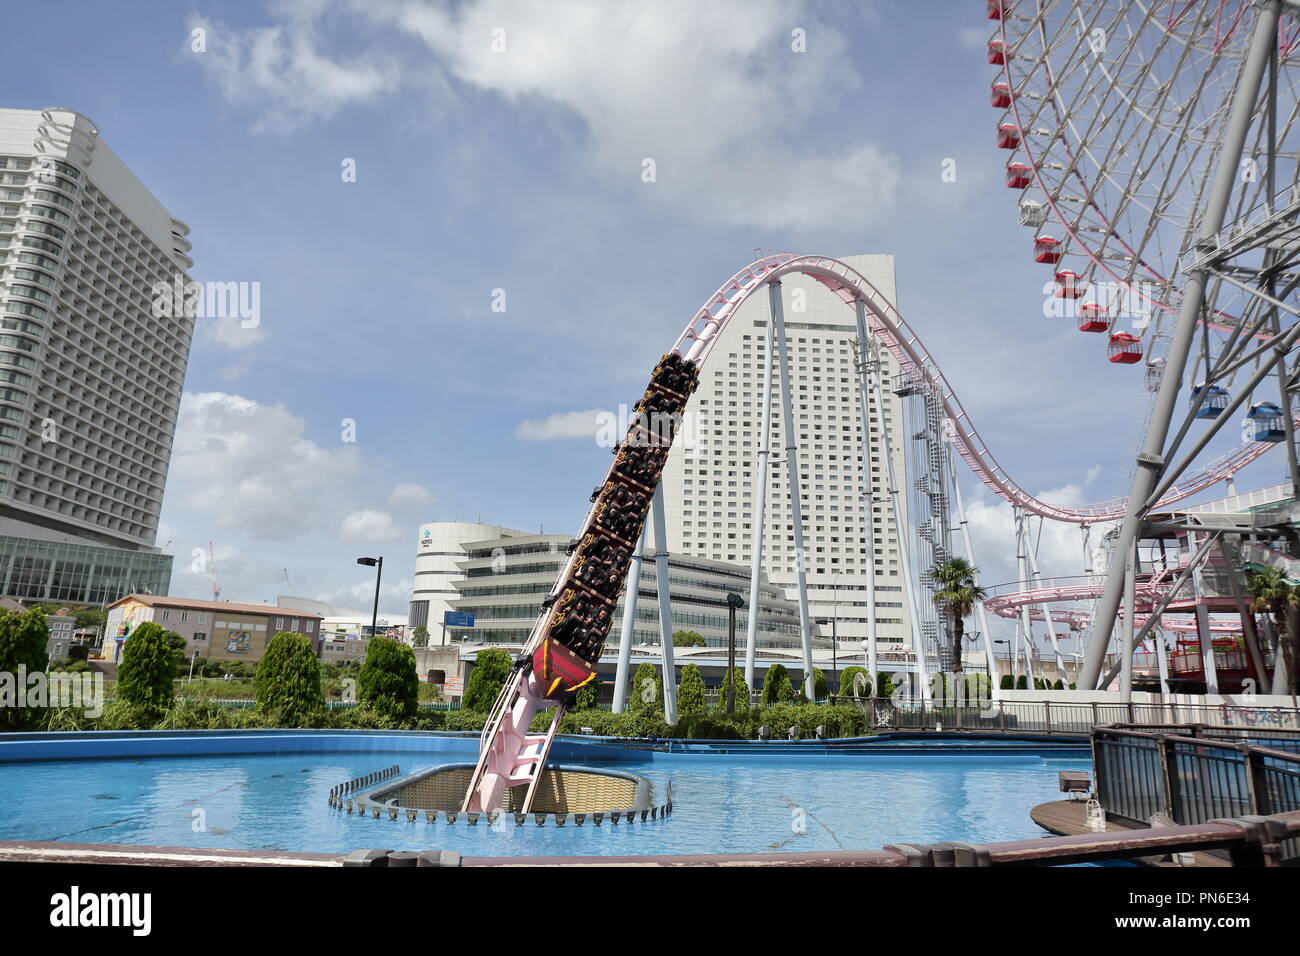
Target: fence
point(1194, 779)
point(1057, 717)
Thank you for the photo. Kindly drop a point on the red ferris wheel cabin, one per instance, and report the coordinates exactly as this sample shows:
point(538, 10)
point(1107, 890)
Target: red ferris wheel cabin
point(1125, 349)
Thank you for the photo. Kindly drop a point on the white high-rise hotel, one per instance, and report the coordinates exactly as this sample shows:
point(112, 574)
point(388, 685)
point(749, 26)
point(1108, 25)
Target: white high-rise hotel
point(710, 483)
point(91, 380)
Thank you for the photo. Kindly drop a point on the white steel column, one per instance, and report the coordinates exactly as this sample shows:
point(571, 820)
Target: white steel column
point(1127, 650)
point(868, 492)
point(759, 509)
point(1203, 631)
point(1047, 611)
point(796, 488)
point(1159, 637)
point(904, 550)
point(630, 592)
point(665, 607)
point(994, 689)
point(1022, 569)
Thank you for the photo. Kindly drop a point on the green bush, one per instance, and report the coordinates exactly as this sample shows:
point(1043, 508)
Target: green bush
point(491, 671)
point(884, 684)
point(647, 690)
point(23, 637)
point(146, 671)
point(820, 688)
point(690, 692)
point(688, 639)
point(838, 721)
point(737, 678)
point(1008, 682)
point(288, 681)
point(588, 697)
point(847, 678)
point(776, 686)
point(388, 684)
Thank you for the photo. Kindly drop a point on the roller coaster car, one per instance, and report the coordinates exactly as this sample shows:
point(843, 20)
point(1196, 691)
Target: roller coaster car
point(558, 671)
point(676, 374)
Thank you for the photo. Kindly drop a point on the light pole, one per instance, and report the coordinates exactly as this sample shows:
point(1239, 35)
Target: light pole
point(734, 602)
point(378, 565)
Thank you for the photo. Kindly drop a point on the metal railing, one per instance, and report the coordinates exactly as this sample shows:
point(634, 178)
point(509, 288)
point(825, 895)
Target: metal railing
point(1058, 717)
point(1193, 779)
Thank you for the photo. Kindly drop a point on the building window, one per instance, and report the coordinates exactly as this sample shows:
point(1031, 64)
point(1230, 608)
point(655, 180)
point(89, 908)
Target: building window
point(200, 637)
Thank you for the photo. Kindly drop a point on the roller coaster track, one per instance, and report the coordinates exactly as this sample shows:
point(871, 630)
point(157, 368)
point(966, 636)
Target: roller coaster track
point(550, 669)
point(915, 360)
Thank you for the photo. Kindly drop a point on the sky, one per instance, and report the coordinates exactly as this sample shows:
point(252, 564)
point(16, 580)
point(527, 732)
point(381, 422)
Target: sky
point(446, 207)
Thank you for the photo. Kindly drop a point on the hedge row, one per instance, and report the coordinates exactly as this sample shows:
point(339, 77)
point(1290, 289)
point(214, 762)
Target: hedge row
point(838, 721)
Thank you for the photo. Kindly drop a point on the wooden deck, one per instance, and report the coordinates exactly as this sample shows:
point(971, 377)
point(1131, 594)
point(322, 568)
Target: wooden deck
point(1069, 818)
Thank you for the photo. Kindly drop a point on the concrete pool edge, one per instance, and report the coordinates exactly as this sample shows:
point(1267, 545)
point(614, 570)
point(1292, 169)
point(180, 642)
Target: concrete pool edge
point(121, 744)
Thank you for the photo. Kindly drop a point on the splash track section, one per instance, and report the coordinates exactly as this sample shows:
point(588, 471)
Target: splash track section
point(565, 645)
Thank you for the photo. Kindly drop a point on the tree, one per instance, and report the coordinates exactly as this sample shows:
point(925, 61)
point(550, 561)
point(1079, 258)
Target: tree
point(741, 690)
point(957, 594)
point(884, 685)
point(288, 680)
point(23, 637)
point(777, 688)
point(1271, 593)
point(688, 639)
point(588, 696)
point(147, 669)
point(491, 671)
point(420, 637)
point(849, 682)
point(647, 690)
point(176, 644)
point(821, 690)
point(388, 685)
point(690, 692)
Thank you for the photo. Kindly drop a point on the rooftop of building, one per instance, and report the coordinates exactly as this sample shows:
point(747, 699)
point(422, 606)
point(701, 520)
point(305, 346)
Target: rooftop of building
point(193, 604)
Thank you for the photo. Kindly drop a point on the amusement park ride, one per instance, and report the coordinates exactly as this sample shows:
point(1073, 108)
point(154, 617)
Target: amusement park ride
point(1156, 154)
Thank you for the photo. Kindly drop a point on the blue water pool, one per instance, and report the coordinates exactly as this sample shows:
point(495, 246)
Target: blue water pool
point(724, 803)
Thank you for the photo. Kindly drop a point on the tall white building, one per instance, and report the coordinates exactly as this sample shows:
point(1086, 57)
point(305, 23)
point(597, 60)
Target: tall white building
point(90, 379)
point(711, 478)
point(439, 552)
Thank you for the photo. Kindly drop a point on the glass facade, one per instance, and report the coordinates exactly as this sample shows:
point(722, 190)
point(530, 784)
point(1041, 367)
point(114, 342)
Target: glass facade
point(36, 570)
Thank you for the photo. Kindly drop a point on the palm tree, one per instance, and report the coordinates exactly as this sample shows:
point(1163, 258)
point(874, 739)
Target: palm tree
point(1271, 593)
point(957, 595)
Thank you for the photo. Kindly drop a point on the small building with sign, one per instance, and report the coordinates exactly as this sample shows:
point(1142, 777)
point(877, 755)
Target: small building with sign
point(218, 630)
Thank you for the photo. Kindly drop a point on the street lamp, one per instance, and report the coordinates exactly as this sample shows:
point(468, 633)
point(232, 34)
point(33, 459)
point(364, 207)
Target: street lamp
point(734, 602)
point(378, 565)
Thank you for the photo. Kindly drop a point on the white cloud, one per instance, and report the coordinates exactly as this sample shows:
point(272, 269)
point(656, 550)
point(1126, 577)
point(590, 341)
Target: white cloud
point(712, 92)
point(230, 332)
point(409, 494)
point(561, 426)
point(251, 468)
point(974, 37)
point(280, 70)
point(369, 525)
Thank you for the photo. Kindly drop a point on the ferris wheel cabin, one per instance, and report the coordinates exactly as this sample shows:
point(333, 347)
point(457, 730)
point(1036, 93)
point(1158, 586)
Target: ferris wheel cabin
point(1266, 422)
point(997, 52)
point(1047, 249)
point(1124, 349)
point(1018, 176)
point(1008, 136)
point(1069, 285)
point(1092, 318)
point(1215, 401)
point(1001, 95)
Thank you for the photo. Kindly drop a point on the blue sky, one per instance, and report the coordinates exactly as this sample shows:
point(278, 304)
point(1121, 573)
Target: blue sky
point(520, 170)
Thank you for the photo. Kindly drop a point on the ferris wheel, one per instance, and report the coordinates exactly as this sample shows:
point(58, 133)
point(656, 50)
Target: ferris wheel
point(1156, 153)
point(1112, 112)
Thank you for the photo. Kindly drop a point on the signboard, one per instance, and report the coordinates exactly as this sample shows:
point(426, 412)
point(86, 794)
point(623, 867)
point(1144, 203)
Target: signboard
point(454, 687)
point(457, 619)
